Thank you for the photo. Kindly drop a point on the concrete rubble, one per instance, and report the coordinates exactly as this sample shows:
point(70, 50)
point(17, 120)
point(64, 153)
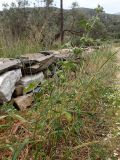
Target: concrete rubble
point(7, 84)
point(34, 63)
point(7, 65)
point(23, 102)
point(62, 54)
point(38, 78)
point(17, 74)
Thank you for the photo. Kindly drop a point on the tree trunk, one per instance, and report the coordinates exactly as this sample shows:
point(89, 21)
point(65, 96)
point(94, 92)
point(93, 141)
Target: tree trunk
point(62, 23)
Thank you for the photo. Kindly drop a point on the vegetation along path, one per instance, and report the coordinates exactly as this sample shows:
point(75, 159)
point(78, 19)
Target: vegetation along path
point(117, 97)
point(76, 116)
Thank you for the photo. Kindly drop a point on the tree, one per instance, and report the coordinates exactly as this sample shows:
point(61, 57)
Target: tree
point(75, 5)
point(48, 3)
point(15, 18)
point(99, 30)
point(62, 21)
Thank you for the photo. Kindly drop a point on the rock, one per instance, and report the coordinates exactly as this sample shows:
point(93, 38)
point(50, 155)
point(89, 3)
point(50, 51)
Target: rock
point(37, 78)
point(19, 90)
point(36, 57)
point(7, 84)
point(34, 63)
point(8, 64)
point(23, 102)
point(31, 69)
point(3, 60)
point(59, 55)
point(48, 63)
point(62, 54)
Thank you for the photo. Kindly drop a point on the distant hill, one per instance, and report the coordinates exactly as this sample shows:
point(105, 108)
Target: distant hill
point(72, 17)
point(117, 13)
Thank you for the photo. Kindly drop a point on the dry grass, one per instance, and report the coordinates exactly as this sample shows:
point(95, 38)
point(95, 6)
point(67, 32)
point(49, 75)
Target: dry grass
point(71, 118)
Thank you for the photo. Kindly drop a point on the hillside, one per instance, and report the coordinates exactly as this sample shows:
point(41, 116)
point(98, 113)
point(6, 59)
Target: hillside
point(34, 18)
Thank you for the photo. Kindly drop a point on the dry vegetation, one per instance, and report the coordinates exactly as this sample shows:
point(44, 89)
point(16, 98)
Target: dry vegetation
point(74, 116)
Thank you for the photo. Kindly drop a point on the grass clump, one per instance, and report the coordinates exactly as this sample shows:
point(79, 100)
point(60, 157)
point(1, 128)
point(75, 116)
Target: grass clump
point(72, 115)
point(16, 48)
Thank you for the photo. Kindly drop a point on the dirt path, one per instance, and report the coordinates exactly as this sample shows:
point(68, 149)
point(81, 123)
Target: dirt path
point(118, 110)
point(118, 79)
point(118, 62)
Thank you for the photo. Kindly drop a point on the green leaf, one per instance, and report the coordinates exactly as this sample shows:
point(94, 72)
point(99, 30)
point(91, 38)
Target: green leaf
point(67, 116)
point(31, 87)
point(10, 147)
point(18, 117)
point(4, 126)
point(19, 149)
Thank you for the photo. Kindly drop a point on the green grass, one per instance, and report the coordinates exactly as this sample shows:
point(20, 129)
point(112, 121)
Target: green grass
point(15, 49)
point(71, 117)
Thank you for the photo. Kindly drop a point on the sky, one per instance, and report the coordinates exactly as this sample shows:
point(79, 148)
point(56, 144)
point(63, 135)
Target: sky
point(110, 6)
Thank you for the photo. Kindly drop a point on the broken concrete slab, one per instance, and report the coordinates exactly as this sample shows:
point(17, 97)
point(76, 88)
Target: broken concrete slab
point(23, 102)
point(7, 84)
point(8, 64)
point(36, 57)
point(34, 63)
point(63, 54)
point(4, 60)
point(32, 69)
point(27, 80)
point(32, 66)
point(38, 67)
